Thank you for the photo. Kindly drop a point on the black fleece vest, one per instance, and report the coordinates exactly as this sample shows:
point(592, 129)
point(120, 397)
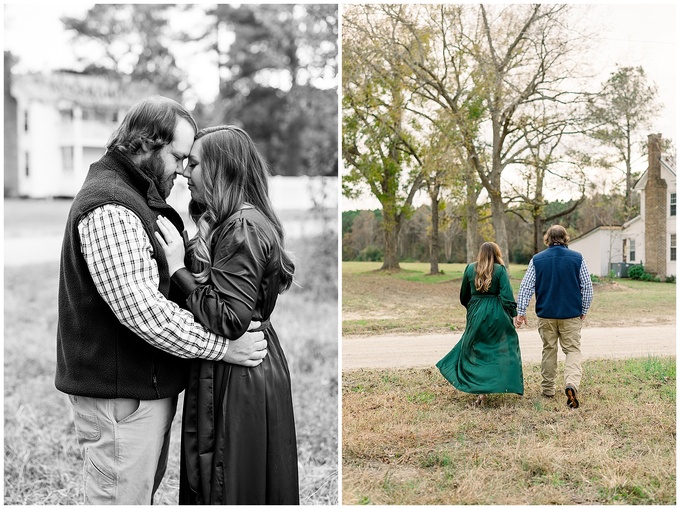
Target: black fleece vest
point(97, 356)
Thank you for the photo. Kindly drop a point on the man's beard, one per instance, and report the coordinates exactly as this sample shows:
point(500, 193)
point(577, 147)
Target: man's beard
point(154, 168)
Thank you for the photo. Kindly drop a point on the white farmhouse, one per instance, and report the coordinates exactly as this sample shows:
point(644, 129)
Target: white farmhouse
point(650, 238)
point(56, 125)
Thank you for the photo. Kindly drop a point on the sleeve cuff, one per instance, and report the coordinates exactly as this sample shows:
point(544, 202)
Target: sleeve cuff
point(185, 281)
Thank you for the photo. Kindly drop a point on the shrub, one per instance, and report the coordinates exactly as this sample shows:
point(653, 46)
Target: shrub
point(370, 254)
point(670, 279)
point(646, 276)
point(636, 272)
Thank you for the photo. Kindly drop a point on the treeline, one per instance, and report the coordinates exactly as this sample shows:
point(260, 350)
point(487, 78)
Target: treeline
point(277, 68)
point(363, 239)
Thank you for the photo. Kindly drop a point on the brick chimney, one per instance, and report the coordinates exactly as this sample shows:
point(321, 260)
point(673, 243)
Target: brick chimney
point(655, 211)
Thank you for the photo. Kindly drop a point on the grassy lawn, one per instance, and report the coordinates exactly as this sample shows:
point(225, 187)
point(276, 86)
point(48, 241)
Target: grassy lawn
point(411, 301)
point(410, 438)
point(42, 461)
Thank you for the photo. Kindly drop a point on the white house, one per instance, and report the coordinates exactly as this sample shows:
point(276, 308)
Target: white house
point(649, 238)
point(62, 124)
point(600, 248)
point(57, 125)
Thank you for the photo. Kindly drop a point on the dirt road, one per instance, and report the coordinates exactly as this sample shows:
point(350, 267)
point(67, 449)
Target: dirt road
point(411, 351)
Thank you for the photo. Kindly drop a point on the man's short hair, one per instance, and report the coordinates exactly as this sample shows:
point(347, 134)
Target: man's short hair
point(149, 126)
point(556, 234)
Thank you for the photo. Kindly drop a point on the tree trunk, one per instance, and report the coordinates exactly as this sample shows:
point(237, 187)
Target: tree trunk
point(391, 235)
point(539, 218)
point(538, 231)
point(434, 236)
point(498, 221)
point(629, 181)
point(472, 219)
point(448, 245)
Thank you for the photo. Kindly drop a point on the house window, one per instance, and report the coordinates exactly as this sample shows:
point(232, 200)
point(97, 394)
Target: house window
point(672, 204)
point(66, 115)
point(99, 114)
point(27, 167)
point(632, 250)
point(67, 159)
point(673, 247)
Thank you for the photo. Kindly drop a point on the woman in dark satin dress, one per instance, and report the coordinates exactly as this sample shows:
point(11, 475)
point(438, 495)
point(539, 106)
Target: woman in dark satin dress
point(238, 430)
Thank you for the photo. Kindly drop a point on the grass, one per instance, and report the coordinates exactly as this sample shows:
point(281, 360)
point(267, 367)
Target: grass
point(410, 438)
point(412, 301)
point(42, 460)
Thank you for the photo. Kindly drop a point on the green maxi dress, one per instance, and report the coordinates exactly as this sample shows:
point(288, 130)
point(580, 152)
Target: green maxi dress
point(487, 358)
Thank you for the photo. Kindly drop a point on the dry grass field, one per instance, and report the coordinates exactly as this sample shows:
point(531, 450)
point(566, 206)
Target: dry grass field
point(410, 301)
point(42, 461)
point(410, 438)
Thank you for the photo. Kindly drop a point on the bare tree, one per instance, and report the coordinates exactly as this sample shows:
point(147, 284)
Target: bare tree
point(485, 65)
point(619, 113)
point(547, 158)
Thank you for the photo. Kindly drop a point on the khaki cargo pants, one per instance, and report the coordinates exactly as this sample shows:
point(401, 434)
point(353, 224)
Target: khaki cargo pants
point(568, 333)
point(125, 444)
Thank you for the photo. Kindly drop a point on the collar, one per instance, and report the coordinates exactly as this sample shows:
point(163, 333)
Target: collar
point(130, 172)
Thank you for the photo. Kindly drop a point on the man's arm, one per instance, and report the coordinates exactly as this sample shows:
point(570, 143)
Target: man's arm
point(118, 254)
point(526, 290)
point(586, 289)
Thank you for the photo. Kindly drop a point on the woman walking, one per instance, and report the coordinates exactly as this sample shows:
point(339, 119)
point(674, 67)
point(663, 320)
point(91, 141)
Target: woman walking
point(487, 359)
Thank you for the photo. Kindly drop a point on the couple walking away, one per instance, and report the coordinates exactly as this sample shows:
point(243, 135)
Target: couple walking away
point(141, 318)
point(487, 357)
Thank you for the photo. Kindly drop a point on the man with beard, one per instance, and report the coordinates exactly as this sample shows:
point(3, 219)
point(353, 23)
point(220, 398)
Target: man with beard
point(122, 343)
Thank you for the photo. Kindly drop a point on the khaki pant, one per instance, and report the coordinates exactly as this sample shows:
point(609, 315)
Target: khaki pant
point(568, 333)
point(124, 443)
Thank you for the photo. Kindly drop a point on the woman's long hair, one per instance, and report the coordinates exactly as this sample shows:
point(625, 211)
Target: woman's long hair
point(234, 173)
point(489, 253)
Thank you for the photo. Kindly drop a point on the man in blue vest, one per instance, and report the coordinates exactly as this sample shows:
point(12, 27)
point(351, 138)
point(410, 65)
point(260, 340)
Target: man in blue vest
point(564, 291)
point(122, 342)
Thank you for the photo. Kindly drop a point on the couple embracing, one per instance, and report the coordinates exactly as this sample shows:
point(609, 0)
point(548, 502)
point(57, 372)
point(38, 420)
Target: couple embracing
point(144, 315)
point(487, 357)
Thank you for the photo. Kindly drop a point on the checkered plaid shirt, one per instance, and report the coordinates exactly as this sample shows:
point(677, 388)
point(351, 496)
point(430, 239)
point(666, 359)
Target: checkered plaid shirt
point(118, 253)
point(528, 286)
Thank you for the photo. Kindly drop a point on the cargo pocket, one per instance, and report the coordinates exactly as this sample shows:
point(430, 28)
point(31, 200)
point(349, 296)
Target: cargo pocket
point(87, 427)
point(99, 484)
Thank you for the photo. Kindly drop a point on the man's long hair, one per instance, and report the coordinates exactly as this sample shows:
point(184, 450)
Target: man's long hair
point(149, 126)
point(234, 173)
point(556, 234)
point(489, 253)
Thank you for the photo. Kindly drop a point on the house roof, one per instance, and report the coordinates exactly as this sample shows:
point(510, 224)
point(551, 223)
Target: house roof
point(631, 221)
point(597, 229)
point(81, 89)
point(667, 162)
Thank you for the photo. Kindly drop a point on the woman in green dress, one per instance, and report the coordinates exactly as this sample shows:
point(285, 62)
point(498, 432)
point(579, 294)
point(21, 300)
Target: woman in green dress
point(487, 359)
